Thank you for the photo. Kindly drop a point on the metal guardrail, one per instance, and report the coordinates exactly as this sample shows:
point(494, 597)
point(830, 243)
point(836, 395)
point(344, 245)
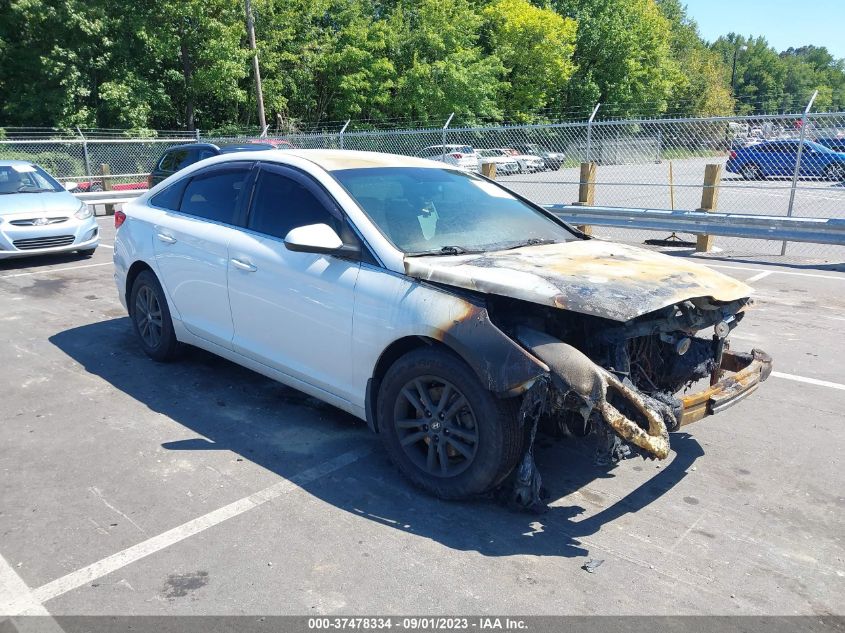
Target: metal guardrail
point(108, 197)
point(765, 227)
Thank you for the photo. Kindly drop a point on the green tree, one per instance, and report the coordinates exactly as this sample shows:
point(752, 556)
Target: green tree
point(536, 46)
point(439, 63)
point(760, 73)
point(702, 88)
point(324, 60)
point(623, 56)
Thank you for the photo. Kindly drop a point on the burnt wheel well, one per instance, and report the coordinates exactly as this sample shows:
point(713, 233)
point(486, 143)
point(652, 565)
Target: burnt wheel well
point(390, 355)
point(134, 270)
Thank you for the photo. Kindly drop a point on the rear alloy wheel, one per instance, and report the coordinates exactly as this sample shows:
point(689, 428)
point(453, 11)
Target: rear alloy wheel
point(151, 318)
point(750, 171)
point(836, 173)
point(444, 431)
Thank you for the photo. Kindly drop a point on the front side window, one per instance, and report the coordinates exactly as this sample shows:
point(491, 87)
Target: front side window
point(215, 194)
point(427, 210)
point(281, 203)
point(176, 159)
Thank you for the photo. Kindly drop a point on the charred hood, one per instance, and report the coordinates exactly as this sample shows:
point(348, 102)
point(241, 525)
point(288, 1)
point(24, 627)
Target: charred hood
point(602, 279)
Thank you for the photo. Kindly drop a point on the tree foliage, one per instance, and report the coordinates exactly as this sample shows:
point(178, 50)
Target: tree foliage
point(185, 63)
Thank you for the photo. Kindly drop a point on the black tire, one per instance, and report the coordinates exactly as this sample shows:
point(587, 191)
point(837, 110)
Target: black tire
point(473, 466)
point(750, 171)
point(151, 318)
point(88, 252)
point(97, 186)
point(836, 173)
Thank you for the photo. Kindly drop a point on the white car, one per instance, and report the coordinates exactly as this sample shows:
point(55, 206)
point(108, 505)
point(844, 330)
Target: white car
point(39, 217)
point(528, 163)
point(505, 165)
point(463, 156)
point(446, 311)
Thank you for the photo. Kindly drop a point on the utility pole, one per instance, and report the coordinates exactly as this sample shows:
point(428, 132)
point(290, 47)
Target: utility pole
point(733, 68)
point(250, 29)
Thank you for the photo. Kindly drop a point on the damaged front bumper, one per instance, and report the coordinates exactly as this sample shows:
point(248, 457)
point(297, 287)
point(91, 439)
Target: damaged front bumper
point(577, 385)
point(745, 372)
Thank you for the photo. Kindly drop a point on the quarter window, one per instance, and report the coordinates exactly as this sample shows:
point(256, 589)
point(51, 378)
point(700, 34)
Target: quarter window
point(215, 195)
point(281, 203)
point(170, 197)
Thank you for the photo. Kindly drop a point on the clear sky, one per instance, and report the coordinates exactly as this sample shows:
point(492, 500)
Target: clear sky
point(783, 23)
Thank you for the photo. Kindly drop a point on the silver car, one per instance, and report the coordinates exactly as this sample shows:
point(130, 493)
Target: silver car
point(38, 216)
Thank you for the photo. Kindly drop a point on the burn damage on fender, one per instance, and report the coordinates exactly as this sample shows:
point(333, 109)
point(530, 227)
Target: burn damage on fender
point(614, 336)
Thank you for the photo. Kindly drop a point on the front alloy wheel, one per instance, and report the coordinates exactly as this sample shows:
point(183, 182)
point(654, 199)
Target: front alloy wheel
point(444, 430)
point(436, 427)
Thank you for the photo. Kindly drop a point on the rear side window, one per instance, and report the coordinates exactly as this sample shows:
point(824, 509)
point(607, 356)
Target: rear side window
point(170, 197)
point(215, 194)
point(281, 203)
point(176, 159)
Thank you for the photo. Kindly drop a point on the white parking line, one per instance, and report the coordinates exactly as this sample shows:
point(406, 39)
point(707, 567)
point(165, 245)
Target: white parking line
point(809, 381)
point(774, 272)
point(53, 270)
point(758, 276)
point(157, 543)
point(107, 246)
point(15, 597)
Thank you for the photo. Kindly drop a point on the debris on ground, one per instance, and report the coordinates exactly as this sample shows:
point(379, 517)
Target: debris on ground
point(592, 565)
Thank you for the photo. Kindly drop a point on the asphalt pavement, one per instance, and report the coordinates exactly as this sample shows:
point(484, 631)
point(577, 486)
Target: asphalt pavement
point(199, 487)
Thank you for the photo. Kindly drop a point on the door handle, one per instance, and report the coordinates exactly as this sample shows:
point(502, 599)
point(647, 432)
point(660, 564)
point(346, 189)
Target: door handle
point(243, 266)
point(167, 239)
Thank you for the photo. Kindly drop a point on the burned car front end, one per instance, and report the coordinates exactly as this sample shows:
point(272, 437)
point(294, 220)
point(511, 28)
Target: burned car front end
point(630, 344)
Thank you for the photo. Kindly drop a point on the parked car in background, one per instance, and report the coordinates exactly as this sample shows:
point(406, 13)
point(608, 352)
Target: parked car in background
point(39, 217)
point(505, 165)
point(447, 312)
point(836, 143)
point(180, 156)
point(463, 156)
point(528, 163)
point(551, 160)
point(778, 158)
point(97, 185)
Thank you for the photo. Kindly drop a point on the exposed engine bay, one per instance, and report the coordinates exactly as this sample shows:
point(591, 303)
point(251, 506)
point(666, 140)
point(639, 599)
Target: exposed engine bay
point(621, 382)
point(622, 335)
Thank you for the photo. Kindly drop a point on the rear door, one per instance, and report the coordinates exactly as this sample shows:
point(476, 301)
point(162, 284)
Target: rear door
point(292, 311)
point(191, 246)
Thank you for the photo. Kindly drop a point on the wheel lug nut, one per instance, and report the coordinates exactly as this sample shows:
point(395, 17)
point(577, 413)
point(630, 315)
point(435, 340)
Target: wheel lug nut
point(427, 413)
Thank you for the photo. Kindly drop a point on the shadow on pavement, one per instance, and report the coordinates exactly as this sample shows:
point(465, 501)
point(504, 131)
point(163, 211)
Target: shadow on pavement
point(238, 410)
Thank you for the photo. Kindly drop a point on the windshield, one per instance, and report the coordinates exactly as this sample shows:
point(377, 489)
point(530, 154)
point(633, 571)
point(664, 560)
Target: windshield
point(23, 178)
point(444, 211)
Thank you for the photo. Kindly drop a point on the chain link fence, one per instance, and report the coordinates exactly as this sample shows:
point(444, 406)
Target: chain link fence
point(770, 164)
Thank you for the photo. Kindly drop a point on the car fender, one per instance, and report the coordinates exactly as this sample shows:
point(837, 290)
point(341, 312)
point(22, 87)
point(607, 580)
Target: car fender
point(391, 307)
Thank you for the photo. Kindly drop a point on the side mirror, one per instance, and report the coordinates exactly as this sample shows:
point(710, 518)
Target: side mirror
point(70, 186)
point(316, 238)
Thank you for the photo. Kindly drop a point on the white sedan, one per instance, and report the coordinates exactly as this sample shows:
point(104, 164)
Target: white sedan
point(446, 311)
point(38, 217)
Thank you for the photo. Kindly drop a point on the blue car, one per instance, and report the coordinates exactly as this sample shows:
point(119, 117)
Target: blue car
point(778, 158)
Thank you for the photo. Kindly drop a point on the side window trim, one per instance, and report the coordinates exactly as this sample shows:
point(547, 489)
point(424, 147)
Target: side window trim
point(318, 191)
point(303, 179)
point(240, 211)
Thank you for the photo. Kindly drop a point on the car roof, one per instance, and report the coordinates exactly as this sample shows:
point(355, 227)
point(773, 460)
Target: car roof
point(192, 146)
point(245, 147)
point(8, 163)
point(335, 159)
